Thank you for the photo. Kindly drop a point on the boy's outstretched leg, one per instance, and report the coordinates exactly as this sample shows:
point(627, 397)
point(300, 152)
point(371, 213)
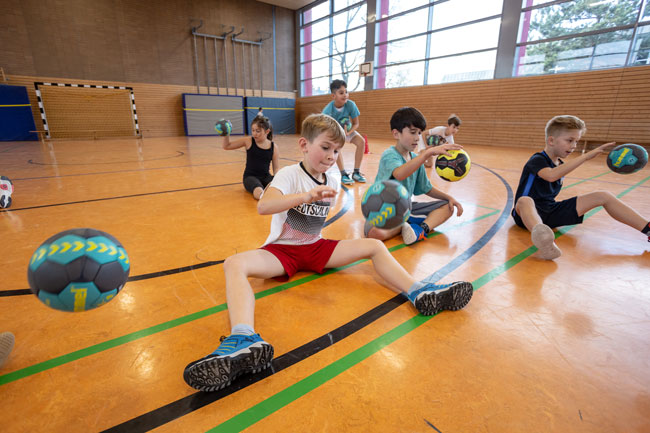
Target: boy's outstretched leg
point(243, 351)
point(615, 208)
point(428, 298)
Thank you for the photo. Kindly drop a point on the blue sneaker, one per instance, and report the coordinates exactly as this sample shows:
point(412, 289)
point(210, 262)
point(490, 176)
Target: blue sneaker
point(236, 355)
point(358, 177)
point(411, 233)
point(345, 179)
point(433, 298)
point(416, 219)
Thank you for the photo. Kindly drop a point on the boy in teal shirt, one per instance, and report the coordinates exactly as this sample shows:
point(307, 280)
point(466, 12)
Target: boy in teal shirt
point(347, 114)
point(401, 163)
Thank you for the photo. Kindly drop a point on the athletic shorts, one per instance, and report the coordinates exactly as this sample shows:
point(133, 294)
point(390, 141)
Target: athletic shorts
point(311, 257)
point(556, 214)
point(252, 182)
point(425, 208)
point(349, 137)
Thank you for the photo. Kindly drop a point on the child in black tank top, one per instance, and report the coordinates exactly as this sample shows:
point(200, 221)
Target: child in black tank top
point(261, 152)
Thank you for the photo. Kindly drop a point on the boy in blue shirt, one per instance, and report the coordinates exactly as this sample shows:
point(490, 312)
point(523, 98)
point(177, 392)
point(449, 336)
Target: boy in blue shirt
point(541, 181)
point(401, 163)
point(300, 198)
point(347, 113)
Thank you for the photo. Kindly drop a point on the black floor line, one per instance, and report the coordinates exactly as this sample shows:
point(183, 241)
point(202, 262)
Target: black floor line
point(197, 400)
point(31, 161)
point(126, 171)
point(119, 197)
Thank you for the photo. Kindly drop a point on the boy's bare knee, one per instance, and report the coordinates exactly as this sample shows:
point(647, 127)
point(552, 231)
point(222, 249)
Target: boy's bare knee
point(606, 195)
point(233, 264)
point(372, 246)
point(524, 202)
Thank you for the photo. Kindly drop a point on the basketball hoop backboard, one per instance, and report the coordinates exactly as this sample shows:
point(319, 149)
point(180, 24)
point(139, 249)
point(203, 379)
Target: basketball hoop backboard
point(365, 69)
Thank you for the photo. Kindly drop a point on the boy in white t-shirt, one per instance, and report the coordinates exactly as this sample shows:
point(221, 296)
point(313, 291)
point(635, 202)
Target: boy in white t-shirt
point(300, 198)
point(446, 134)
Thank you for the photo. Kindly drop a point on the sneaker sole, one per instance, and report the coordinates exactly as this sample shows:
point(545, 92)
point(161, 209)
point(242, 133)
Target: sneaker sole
point(544, 240)
point(408, 235)
point(213, 372)
point(453, 298)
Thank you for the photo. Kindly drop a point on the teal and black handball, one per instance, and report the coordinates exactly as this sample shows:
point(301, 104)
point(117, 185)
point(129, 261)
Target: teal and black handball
point(346, 123)
point(435, 140)
point(223, 127)
point(386, 204)
point(78, 269)
point(627, 158)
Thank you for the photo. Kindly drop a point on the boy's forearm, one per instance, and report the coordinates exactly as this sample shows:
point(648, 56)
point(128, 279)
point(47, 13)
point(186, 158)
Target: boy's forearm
point(410, 167)
point(564, 169)
point(277, 204)
point(437, 194)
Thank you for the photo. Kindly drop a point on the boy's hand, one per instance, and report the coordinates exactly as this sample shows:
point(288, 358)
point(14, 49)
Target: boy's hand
point(319, 193)
point(442, 149)
point(600, 149)
point(459, 208)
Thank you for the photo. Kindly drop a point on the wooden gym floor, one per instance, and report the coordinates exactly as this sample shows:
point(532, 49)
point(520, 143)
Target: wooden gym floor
point(543, 346)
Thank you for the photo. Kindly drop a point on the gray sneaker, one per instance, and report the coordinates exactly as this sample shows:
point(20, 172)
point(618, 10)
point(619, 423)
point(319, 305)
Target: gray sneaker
point(544, 239)
point(6, 345)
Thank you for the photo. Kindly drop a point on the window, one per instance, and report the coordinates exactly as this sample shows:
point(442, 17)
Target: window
point(577, 36)
point(419, 42)
point(332, 46)
point(641, 48)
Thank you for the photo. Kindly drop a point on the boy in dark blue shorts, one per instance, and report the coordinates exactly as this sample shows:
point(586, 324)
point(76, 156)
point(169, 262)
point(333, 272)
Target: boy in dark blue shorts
point(541, 181)
point(300, 198)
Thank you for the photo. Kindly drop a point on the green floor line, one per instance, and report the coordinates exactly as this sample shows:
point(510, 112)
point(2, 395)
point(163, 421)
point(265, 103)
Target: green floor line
point(277, 401)
point(586, 180)
point(118, 341)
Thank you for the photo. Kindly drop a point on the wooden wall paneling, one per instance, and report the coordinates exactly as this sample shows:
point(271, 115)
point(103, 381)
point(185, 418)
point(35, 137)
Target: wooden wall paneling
point(614, 103)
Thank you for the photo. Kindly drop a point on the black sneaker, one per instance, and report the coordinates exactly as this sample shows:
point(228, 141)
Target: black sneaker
point(433, 298)
point(236, 355)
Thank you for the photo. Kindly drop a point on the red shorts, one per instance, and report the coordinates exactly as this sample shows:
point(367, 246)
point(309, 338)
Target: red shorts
point(294, 258)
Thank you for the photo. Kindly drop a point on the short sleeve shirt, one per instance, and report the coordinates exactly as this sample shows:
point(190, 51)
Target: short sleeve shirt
point(533, 186)
point(302, 224)
point(438, 130)
point(416, 184)
point(348, 110)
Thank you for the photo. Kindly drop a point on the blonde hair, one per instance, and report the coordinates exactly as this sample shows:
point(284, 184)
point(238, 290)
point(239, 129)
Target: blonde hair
point(315, 124)
point(562, 123)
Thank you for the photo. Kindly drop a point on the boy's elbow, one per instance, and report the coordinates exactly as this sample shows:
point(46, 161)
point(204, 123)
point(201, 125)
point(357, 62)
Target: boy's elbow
point(262, 209)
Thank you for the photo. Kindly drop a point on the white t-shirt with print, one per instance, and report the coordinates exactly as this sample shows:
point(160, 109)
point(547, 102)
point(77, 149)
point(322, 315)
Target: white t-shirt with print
point(438, 130)
point(300, 225)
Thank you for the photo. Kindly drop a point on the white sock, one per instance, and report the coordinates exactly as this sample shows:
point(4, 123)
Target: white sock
point(242, 329)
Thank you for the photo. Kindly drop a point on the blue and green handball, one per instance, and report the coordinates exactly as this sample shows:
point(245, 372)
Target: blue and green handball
point(78, 269)
point(627, 158)
point(435, 140)
point(346, 123)
point(386, 204)
point(223, 127)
